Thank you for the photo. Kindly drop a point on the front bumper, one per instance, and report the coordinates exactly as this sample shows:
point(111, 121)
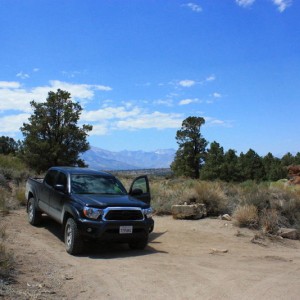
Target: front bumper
point(110, 230)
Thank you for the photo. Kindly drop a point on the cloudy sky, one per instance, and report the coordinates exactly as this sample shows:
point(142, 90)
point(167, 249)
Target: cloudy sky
point(139, 68)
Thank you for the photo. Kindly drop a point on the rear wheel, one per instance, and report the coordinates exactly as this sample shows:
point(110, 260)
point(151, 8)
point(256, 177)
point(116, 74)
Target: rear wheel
point(34, 216)
point(73, 239)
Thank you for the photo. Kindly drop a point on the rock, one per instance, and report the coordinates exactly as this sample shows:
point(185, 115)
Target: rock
point(214, 250)
point(189, 211)
point(288, 233)
point(226, 217)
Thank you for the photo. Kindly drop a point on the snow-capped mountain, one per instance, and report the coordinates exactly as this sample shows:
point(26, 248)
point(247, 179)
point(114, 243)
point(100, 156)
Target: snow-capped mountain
point(127, 160)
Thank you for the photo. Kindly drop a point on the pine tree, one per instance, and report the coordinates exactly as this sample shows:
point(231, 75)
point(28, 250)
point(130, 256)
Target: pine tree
point(52, 137)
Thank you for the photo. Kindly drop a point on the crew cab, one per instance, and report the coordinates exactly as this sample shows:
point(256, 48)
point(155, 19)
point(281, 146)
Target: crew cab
point(90, 204)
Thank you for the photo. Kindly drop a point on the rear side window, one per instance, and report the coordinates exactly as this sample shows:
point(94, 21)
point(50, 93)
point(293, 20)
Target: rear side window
point(50, 177)
point(62, 179)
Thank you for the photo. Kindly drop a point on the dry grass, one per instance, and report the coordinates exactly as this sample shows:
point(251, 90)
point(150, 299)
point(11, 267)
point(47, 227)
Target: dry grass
point(5, 257)
point(166, 193)
point(246, 216)
point(213, 195)
point(269, 221)
point(4, 195)
point(6, 261)
point(266, 206)
point(20, 195)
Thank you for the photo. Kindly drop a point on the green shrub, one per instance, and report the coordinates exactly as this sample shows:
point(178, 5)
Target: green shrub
point(12, 162)
point(12, 169)
point(258, 196)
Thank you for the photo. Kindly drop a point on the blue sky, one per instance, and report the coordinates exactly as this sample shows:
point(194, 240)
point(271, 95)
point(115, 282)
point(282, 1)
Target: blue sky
point(140, 67)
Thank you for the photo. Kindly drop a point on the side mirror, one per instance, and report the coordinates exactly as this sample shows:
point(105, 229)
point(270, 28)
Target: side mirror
point(60, 187)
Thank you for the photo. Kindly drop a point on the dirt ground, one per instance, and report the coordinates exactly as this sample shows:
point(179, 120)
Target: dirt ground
point(203, 259)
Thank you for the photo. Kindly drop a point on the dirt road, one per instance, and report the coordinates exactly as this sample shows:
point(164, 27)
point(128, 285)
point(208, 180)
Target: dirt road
point(204, 259)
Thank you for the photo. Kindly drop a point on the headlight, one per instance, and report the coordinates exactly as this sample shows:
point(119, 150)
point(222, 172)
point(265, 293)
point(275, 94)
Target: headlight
point(148, 212)
point(92, 213)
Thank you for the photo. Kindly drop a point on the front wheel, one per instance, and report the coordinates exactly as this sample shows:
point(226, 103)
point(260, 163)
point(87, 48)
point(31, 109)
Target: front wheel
point(34, 216)
point(73, 239)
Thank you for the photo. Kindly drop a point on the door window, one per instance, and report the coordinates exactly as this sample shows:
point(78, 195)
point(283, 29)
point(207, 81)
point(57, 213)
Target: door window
point(140, 184)
point(50, 177)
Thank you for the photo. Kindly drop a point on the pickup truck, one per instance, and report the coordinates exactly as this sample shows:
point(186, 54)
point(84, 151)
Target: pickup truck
point(91, 204)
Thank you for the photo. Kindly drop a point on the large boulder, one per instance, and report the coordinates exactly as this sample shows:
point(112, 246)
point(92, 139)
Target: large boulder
point(294, 174)
point(189, 211)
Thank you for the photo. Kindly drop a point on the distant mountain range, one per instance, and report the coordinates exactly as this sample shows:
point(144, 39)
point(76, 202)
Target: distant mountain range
point(128, 160)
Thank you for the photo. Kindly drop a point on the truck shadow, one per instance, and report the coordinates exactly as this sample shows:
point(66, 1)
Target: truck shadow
point(104, 250)
point(96, 250)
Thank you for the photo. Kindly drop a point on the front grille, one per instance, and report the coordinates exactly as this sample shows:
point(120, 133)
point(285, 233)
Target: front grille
point(123, 215)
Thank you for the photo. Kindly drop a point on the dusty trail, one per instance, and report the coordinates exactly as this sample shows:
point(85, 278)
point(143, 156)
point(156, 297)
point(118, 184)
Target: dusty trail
point(184, 260)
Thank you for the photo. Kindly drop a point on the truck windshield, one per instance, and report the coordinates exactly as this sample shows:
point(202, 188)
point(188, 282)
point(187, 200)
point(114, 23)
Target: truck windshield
point(96, 184)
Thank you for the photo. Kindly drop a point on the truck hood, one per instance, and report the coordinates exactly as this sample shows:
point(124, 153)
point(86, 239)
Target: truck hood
point(103, 201)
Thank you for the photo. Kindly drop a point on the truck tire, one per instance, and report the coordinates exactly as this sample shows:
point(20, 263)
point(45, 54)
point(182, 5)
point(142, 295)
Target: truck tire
point(139, 244)
point(73, 239)
point(34, 216)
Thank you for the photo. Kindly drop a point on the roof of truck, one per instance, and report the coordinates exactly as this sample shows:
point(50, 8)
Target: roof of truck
point(78, 170)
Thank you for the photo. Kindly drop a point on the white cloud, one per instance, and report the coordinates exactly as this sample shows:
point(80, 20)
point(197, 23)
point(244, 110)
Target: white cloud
point(15, 99)
point(216, 95)
point(12, 123)
point(165, 102)
point(282, 4)
point(77, 91)
point(210, 121)
point(210, 78)
point(22, 75)
point(99, 129)
point(194, 7)
point(35, 69)
point(9, 84)
point(156, 120)
point(188, 101)
point(187, 83)
point(109, 113)
point(244, 3)
point(12, 97)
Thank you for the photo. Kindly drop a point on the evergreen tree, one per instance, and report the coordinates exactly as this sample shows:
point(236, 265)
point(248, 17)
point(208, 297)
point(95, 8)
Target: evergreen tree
point(229, 170)
point(287, 160)
point(52, 137)
point(251, 166)
point(214, 163)
point(191, 152)
point(8, 145)
point(297, 159)
point(273, 168)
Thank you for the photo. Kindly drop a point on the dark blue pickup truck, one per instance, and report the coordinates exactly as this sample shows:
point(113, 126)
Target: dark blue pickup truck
point(92, 205)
